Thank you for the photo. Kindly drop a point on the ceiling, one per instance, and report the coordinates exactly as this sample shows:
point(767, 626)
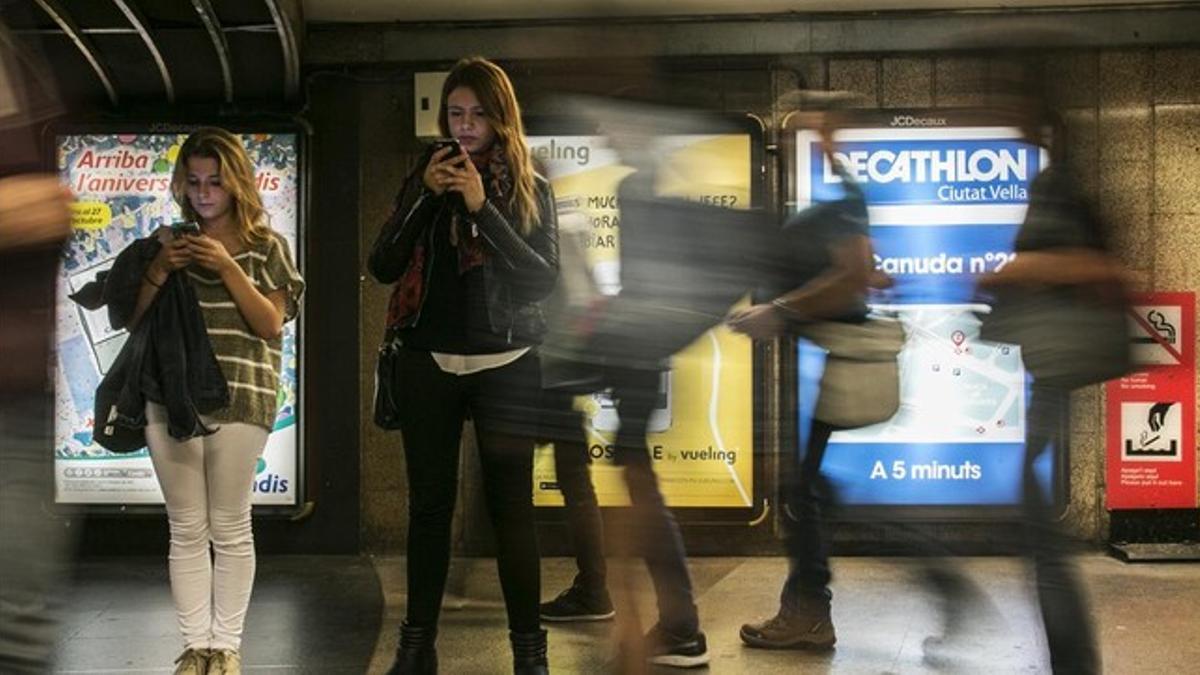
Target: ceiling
point(370, 11)
point(250, 51)
point(165, 50)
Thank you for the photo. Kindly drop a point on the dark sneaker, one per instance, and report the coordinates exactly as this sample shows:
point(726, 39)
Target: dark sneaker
point(577, 604)
point(665, 649)
point(808, 628)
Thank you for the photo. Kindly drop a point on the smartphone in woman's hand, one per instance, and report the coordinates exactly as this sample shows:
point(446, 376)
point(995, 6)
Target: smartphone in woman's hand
point(447, 143)
point(187, 228)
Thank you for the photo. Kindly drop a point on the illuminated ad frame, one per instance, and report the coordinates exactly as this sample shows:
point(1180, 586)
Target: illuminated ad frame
point(946, 192)
point(120, 174)
point(705, 437)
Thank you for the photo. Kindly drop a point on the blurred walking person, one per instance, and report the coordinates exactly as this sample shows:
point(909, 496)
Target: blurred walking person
point(34, 222)
point(587, 598)
point(1062, 275)
point(829, 271)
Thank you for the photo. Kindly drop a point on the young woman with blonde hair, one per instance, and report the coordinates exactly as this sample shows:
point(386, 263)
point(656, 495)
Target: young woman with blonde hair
point(247, 286)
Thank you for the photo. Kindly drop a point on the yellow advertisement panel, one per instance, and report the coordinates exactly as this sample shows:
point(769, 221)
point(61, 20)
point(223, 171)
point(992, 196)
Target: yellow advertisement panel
point(701, 435)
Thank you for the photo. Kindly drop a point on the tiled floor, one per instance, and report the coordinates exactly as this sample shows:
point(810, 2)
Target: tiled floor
point(1147, 616)
point(322, 615)
point(316, 614)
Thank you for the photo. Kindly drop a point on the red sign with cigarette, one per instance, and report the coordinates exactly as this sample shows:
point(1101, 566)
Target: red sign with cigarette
point(1151, 413)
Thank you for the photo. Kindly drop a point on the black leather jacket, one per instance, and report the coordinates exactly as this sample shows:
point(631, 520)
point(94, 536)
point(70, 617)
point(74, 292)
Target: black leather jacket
point(167, 357)
point(519, 273)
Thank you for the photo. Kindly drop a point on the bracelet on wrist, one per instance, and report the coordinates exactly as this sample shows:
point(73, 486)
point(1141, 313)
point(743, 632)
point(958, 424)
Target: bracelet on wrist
point(789, 313)
point(156, 284)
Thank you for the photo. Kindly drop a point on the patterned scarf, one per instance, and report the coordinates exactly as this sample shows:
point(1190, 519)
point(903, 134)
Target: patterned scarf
point(464, 236)
point(498, 186)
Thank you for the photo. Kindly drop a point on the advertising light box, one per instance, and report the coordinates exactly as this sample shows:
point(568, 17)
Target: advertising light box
point(701, 436)
point(945, 202)
point(122, 184)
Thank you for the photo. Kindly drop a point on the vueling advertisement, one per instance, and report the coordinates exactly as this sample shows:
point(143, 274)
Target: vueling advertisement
point(702, 433)
point(122, 183)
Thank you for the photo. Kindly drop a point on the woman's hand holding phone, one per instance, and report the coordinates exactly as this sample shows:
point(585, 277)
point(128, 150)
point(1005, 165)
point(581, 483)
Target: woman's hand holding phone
point(174, 255)
point(210, 254)
point(446, 154)
point(465, 180)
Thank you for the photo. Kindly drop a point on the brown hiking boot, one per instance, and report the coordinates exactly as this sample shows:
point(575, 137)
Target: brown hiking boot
point(809, 627)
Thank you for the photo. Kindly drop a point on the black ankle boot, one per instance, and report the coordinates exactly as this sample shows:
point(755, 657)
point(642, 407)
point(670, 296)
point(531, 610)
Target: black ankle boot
point(416, 654)
point(529, 653)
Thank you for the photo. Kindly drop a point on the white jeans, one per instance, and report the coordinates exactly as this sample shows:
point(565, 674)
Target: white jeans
point(206, 483)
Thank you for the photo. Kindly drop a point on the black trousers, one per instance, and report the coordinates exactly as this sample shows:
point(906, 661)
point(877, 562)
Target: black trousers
point(1061, 597)
point(806, 536)
point(810, 497)
point(504, 403)
point(657, 533)
point(34, 548)
point(563, 426)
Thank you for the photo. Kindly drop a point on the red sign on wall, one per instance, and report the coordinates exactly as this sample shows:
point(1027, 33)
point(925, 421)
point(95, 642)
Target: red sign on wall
point(1151, 413)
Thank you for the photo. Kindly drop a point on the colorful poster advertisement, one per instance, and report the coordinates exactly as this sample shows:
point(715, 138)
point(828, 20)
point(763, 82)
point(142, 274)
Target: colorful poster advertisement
point(701, 436)
point(1151, 413)
point(122, 183)
point(945, 204)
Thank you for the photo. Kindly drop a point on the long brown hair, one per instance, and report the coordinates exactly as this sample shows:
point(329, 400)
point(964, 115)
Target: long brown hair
point(237, 177)
point(499, 100)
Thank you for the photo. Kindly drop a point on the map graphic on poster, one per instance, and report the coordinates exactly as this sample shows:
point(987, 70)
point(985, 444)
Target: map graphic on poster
point(979, 387)
point(122, 184)
point(944, 205)
point(701, 435)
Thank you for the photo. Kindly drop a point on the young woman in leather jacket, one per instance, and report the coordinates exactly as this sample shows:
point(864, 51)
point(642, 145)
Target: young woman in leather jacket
point(471, 247)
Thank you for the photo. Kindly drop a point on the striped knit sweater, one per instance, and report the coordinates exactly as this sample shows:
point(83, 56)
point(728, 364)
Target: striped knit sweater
point(250, 363)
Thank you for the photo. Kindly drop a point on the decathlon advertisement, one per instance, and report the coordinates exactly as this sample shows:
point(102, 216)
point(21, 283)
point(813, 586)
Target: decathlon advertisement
point(702, 433)
point(122, 184)
point(945, 203)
